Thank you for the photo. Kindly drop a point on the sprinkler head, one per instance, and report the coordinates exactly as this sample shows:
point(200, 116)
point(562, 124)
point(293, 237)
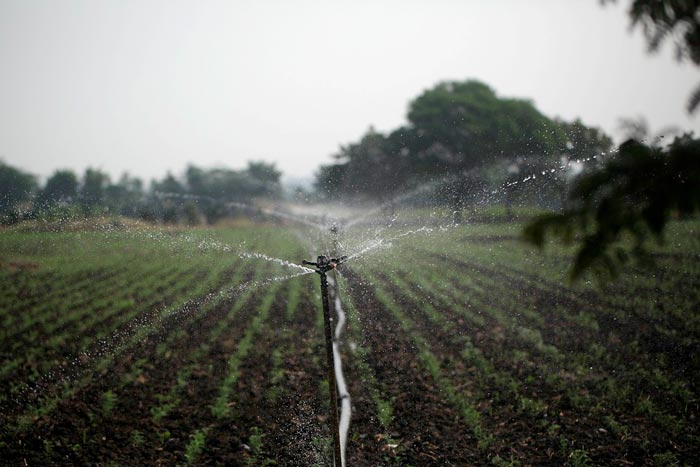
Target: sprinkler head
point(324, 263)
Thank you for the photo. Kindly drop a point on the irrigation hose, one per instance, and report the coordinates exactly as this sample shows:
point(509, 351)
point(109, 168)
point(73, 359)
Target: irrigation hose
point(332, 385)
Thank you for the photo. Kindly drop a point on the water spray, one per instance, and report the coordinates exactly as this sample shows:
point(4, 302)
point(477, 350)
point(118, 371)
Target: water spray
point(324, 264)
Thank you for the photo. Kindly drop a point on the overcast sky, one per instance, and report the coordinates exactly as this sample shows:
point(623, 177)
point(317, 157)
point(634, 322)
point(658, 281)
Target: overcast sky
point(148, 86)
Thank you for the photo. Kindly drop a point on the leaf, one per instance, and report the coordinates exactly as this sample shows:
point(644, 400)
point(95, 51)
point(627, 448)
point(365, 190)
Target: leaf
point(536, 230)
point(694, 100)
point(634, 193)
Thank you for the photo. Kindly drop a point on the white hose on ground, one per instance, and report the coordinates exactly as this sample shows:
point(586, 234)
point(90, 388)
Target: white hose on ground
point(343, 394)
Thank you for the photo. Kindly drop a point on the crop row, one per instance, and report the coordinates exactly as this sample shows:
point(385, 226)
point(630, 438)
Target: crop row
point(163, 359)
point(531, 352)
point(451, 358)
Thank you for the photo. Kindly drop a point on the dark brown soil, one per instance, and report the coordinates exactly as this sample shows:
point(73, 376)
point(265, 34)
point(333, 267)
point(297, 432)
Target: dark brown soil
point(286, 421)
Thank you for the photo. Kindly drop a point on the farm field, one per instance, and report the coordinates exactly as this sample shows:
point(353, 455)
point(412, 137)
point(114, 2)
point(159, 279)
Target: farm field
point(463, 346)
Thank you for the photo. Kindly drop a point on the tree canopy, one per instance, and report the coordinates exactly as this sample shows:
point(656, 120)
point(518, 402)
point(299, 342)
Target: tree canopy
point(475, 126)
point(454, 129)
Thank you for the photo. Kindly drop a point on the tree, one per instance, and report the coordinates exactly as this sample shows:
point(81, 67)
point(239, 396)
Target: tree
point(92, 189)
point(475, 127)
point(258, 179)
point(678, 20)
point(195, 178)
point(457, 131)
point(263, 171)
point(372, 169)
point(636, 192)
point(168, 186)
point(330, 179)
point(125, 196)
point(614, 209)
point(583, 141)
point(62, 186)
point(16, 187)
point(169, 198)
point(265, 178)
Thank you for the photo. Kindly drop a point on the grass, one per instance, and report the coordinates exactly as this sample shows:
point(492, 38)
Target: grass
point(109, 401)
point(195, 446)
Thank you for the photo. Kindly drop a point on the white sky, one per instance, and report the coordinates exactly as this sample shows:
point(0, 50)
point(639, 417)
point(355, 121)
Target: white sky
point(148, 86)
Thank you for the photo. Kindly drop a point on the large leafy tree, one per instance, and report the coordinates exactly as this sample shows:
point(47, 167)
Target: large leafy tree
point(455, 131)
point(474, 127)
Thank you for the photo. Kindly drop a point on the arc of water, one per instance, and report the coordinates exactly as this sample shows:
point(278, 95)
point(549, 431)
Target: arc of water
point(205, 245)
point(171, 195)
point(425, 187)
point(565, 165)
point(420, 189)
point(386, 242)
point(281, 262)
point(279, 214)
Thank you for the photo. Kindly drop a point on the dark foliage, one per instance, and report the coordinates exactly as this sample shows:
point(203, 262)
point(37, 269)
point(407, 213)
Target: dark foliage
point(613, 210)
point(201, 193)
point(16, 187)
point(456, 130)
point(62, 186)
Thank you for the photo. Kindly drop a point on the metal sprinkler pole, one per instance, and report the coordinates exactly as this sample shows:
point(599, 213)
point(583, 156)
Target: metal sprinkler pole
point(332, 384)
point(323, 264)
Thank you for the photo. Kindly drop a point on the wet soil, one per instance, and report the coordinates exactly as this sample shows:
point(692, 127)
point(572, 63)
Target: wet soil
point(284, 419)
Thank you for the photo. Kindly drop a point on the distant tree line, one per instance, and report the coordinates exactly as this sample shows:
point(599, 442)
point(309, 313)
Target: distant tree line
point(198, 195)
point(464, 133)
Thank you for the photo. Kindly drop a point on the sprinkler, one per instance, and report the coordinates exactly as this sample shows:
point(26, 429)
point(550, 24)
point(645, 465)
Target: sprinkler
point(324, 264)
